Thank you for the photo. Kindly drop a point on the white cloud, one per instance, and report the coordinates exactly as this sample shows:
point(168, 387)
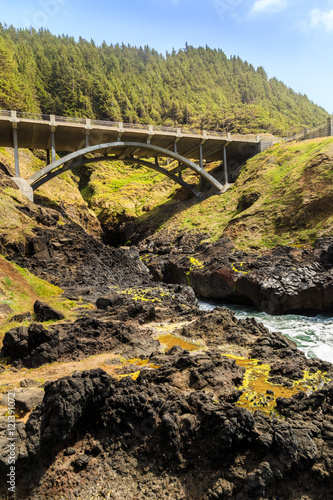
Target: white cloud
point(268, 5)
point(321, 19)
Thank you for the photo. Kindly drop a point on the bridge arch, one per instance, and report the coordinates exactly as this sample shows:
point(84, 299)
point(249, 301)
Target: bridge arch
point(126, 153)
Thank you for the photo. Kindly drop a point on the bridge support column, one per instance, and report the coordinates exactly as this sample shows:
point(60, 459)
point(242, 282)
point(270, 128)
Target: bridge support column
point(16, 153)
point(14, 121)
point(53, 129)
point(48, 159)
point(175, 150)
point(202, 180)
point(53, 149)
point(225, 166)
point(24, 187)
point(88, 129)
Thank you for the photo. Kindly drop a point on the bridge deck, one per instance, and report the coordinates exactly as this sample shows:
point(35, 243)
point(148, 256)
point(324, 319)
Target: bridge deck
point(34, 132)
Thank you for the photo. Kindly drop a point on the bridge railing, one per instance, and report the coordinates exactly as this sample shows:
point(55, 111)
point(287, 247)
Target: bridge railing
point(65, 119)
point(135, 126)
point(105, 123)
point(32, 116)
point(324, 130)
point(163, 128)
point(4, 112)
point(127, 126)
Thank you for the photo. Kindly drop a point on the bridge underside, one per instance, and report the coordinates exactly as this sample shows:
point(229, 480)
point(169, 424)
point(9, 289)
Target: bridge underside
point(132, 152)
point(69, 137)
point(87, 141)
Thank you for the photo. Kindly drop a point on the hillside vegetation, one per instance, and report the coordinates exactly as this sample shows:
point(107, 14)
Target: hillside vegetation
point(192, 87)
point(282, 196)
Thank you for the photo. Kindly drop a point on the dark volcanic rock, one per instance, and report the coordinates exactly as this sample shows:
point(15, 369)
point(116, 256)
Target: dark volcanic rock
point(281, 281)
point(19, 318)
point(25, 400)
point(67, 256)
point(44, 312)
point(35, 346)
point(224, 448)
point(110, 300)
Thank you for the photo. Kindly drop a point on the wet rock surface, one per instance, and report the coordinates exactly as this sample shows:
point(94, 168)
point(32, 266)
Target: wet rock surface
point(280, 281)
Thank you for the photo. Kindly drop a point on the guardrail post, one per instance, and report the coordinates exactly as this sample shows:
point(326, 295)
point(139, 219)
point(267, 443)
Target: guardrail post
point(14, 121)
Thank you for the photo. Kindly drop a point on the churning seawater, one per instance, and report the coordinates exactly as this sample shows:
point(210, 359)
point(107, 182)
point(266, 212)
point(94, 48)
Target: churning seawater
point(313, 335)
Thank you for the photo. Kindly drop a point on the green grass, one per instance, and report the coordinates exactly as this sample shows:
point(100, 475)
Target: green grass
point(294, 184)
point(116, 191)
point(22, 288)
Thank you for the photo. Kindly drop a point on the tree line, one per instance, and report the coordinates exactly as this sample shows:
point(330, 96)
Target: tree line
point(197, 88)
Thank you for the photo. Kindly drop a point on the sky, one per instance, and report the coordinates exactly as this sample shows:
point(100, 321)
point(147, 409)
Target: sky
point(291, 39)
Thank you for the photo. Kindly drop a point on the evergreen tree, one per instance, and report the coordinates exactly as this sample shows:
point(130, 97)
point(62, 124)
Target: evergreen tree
point(193, 88)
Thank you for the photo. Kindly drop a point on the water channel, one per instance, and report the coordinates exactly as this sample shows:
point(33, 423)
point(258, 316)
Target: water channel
point(313, 335)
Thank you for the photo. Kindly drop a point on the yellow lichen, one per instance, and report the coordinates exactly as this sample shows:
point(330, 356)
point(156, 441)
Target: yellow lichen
point(240, 264)
point(133, 375)
point(312, 381)
point(260, 393)
point(141, 362)
point(169, 341)
point(194, 264)
point(141, 294)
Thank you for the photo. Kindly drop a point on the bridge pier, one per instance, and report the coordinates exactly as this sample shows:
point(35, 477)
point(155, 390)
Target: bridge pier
point(24, 187)
point(14, 121)
point(53, 129)
point(225, 166)
point(88, 129)
point(202, 180)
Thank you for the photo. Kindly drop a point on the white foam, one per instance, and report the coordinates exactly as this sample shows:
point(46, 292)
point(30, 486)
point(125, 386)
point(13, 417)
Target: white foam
point(313, 335)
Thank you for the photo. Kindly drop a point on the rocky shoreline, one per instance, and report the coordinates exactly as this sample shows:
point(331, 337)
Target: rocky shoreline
point(284, 280)
point(181, 403)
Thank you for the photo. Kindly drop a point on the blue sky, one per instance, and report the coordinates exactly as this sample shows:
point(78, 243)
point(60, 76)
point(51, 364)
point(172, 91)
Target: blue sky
point(291, 39)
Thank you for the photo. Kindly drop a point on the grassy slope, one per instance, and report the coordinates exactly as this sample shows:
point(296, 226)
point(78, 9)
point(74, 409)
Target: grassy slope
point(293, 183)
point(19, 289)
point(117, 191)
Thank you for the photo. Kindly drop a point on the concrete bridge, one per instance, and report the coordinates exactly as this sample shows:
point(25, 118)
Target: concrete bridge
point(87, 141)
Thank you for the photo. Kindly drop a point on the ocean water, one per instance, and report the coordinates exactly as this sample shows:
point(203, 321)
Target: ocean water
point(313, 335)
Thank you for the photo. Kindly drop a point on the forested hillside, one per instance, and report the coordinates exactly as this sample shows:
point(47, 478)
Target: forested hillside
point(194, 87)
